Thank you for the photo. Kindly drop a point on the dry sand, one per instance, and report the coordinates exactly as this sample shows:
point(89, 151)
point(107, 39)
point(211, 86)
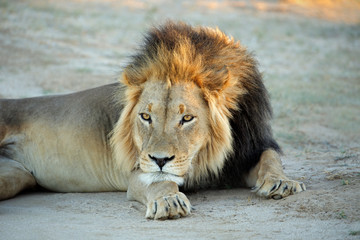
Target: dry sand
point(309, 54)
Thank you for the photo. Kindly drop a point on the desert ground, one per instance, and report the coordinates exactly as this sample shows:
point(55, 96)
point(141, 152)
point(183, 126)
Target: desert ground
point(309, 53)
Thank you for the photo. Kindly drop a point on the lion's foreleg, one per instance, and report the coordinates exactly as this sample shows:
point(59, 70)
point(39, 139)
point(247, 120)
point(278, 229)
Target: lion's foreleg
point(13, 178)
point(268, 179)
point(162, 199)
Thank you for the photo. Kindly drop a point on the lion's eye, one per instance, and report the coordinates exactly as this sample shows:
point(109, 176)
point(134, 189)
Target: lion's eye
point(187, 118)
point(145, 117)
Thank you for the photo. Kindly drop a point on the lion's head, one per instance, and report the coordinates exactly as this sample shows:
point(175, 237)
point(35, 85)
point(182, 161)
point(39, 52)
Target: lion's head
point(180, 92)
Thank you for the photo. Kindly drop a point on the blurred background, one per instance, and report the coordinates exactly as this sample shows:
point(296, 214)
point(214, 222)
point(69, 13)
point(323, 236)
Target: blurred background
point(308, 51)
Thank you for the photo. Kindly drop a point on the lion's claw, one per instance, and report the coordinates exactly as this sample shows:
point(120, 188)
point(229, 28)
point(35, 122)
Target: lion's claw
point(278, 189)
point(169, 207)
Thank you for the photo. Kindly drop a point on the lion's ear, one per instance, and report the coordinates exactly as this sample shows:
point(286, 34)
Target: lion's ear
point(218, 83)
point(133, 88)
point(132, 76)
point(217, 80)
point(223, 89)
point(127, 79)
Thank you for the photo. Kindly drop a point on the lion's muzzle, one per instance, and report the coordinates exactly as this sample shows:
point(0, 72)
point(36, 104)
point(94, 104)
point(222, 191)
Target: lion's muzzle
point(161, 161)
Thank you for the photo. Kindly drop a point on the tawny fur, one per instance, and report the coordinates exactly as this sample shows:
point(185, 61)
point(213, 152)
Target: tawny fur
point(207, 123)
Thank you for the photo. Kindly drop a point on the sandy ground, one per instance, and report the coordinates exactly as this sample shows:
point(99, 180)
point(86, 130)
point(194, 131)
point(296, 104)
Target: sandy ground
point(309, 53)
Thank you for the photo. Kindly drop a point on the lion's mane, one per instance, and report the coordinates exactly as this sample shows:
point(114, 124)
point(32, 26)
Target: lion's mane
point(239, 108)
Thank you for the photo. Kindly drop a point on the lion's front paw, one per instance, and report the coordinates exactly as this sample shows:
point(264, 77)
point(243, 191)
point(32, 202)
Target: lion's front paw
point(278, 188)
point(169, 207)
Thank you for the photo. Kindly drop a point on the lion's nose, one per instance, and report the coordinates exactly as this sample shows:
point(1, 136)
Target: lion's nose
point(161, 161)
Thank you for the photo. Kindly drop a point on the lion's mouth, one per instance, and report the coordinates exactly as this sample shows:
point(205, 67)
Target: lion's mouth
point(153, 177)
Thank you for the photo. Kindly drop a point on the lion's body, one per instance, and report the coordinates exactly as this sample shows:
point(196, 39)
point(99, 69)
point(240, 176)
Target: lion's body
point(63, 140)
point(190, 110)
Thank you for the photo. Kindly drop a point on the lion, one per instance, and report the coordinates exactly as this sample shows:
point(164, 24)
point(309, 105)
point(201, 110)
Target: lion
point(190, 111)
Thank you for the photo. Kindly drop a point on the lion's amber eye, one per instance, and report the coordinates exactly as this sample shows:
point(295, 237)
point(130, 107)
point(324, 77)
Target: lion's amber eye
point(187, 118)
point(145, 117)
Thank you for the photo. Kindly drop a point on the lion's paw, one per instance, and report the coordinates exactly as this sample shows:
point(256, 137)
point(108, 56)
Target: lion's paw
point(169, 207)
point(278, 188)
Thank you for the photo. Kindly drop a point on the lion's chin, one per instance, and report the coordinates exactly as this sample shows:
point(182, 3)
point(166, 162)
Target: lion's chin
point(149, 178)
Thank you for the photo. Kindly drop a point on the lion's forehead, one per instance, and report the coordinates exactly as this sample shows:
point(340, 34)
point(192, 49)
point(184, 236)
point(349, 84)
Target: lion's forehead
point(154, 92)
point(158, 97)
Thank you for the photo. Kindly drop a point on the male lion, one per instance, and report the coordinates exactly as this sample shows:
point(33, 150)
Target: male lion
point(190, 110)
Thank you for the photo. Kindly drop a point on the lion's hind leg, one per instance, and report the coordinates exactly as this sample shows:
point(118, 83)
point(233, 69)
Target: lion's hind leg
point(268, 179)
point(13, 178)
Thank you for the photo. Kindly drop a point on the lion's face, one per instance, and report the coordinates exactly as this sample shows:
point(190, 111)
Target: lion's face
point(179, 94)
point(171, 126)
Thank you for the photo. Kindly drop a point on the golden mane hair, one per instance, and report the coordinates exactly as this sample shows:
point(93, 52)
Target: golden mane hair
point(231, 85)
